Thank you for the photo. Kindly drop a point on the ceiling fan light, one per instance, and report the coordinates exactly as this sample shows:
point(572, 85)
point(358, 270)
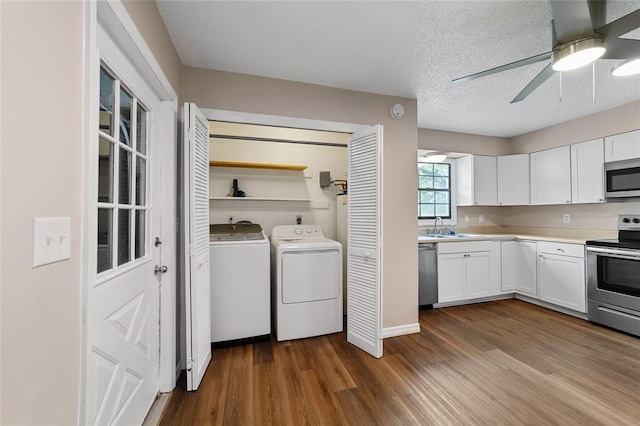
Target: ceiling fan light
point(625, 68)
point(578, 54)
point(435, 157)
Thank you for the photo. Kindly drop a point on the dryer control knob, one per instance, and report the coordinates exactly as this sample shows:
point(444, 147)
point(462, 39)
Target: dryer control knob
point(308, 230)
point(298, 231)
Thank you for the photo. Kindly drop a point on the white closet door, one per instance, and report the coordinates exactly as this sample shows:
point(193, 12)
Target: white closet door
point(364, 246)
point(197, 282)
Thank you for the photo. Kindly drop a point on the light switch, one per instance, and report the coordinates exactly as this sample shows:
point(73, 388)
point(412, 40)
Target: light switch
point(481, 218)
point(566, 218)
point(51, 240)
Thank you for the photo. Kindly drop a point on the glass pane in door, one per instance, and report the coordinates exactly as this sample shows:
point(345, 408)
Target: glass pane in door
point(106, 102)
point(105, 171)
point(125, 117)
point(140, 241)
point(125, 177)
point(141, 130)
point(105, 232)
point(124, 236)
point(141, 181)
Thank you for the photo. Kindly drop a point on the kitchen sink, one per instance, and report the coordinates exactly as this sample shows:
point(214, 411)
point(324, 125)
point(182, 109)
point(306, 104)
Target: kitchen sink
point(453, 236)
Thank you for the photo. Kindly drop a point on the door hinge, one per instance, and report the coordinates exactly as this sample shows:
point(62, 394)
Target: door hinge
point(191, 252)
point(190, 364)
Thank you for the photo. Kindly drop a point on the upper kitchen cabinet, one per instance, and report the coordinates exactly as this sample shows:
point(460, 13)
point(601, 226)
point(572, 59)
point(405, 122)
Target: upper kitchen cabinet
point(513, 180)
point(477, 180)
point(587, 180)
point(551, 176)
point(622, 147)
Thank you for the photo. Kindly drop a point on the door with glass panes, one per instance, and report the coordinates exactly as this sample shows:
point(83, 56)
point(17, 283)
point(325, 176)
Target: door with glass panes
point(124, 301)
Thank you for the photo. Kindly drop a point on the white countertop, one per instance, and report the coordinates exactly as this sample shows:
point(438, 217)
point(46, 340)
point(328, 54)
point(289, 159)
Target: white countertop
point(498, 237)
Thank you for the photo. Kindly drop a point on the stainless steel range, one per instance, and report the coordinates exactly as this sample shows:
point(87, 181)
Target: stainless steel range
point(613, 278)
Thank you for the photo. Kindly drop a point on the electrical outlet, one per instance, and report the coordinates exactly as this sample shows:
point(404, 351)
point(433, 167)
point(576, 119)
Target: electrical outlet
point(566, 218)
point(481, 218)
point(466, 218)
point(298, 219)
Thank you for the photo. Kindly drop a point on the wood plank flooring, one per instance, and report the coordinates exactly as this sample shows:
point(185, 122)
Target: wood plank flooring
point(506, 362)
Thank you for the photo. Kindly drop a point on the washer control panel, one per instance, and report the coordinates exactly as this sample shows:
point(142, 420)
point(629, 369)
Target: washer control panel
point(297, 231)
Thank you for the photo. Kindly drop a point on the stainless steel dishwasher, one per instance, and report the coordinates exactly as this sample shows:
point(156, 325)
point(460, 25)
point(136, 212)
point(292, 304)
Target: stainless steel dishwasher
point(427, 274)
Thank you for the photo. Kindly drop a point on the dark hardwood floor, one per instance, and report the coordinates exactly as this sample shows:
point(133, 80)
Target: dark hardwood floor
point(506, 362)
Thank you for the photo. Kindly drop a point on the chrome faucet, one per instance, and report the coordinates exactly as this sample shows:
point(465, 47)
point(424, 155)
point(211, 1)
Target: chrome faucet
point(435, 225)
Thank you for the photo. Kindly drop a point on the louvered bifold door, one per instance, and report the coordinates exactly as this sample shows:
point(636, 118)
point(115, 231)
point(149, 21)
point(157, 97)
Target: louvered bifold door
point(197, 285)
point(364, 241)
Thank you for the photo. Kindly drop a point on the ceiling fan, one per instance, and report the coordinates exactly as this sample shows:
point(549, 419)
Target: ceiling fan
point(579, 38)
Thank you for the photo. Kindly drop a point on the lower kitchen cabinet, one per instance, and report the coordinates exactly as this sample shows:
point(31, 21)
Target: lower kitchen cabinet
point(519, 267)
point(525, 259)
point(468, 270)
point(561, 275)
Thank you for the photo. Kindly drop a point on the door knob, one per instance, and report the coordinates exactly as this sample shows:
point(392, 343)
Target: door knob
point(160, 269)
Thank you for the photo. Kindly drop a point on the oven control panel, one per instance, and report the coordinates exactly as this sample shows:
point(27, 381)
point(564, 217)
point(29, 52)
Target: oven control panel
point(629, 222)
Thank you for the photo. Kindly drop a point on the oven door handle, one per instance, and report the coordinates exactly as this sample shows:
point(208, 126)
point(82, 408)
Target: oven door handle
point(630, 255)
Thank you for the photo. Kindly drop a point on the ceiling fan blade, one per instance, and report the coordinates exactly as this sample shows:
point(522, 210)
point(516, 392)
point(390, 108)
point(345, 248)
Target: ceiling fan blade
point(571, 20)
point(512, 65)
point(621, 26)
point(535, 83)
point(622, 48)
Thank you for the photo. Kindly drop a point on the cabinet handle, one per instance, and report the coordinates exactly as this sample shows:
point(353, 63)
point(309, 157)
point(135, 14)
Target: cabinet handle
point(540, 256)
point(475, 202)
point(600, 199)
point(567, 202)
point(561, 250)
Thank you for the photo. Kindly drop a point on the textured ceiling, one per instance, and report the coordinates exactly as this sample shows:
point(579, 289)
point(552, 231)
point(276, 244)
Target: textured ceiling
point(408, 49)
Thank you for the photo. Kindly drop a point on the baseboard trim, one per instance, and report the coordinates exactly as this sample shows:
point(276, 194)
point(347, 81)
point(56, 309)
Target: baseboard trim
point(400, 330)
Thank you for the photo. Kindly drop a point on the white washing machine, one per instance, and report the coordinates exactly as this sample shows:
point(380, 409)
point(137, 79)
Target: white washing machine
point(306, 282)
point(240, 283)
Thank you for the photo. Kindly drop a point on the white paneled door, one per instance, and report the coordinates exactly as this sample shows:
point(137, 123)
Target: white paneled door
point(123, 314)
point(364, 246)
point(196, 235)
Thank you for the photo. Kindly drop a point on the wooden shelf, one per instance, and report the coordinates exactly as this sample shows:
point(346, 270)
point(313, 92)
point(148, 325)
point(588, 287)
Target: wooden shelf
point(259, 199)
point(292, 167)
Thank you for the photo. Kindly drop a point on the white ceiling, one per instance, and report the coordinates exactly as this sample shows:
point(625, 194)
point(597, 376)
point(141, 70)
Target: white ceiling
point(408, 49)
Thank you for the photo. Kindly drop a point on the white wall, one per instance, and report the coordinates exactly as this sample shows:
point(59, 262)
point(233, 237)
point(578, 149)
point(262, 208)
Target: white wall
point(321, 210)
point(42, 78)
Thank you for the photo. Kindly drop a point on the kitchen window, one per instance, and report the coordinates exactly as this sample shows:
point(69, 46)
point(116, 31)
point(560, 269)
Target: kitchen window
point(434, 190)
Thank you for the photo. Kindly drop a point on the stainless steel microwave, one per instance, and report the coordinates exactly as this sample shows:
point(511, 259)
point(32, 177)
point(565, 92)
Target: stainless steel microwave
point(622, 178)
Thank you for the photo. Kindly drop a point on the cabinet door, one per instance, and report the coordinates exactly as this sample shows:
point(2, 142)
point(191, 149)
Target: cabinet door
point(622, 147)
point(477, 274)
point(508, 265)
point(525, 259)
point(485, 177)
point(476, 181)
point(513, 180)
point(464, 180)
point(451, 275)
point(562, 281)
point(551, 176)
point(587, 179)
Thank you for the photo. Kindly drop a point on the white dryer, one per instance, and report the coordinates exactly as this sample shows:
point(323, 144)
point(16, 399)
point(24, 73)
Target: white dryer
point(306, 282)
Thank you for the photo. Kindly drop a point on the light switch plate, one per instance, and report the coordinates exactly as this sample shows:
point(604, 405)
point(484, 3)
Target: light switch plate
point(566, 218)
point(481, 218)
point(51, 240)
